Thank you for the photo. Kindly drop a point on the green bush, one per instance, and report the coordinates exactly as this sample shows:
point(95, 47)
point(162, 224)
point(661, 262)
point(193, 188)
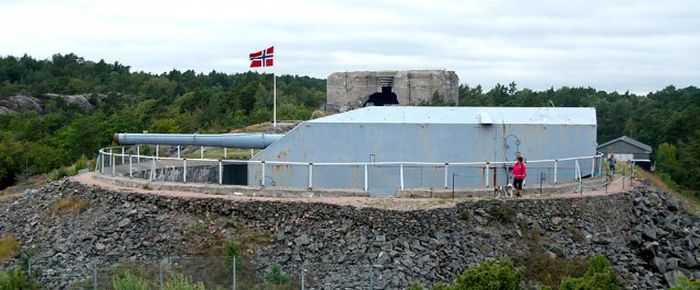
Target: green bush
point(129, 282)
point(683, 283)
point(416, 286)
point(275, 276)
point(598, 276)
point(492, 275)
point(465, 215)
point(503, 213)
point(14, 278)
point(182, 282)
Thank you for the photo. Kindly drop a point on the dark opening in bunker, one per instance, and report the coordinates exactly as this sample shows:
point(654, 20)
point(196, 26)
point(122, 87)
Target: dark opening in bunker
point(235, 174)
point(385, 97)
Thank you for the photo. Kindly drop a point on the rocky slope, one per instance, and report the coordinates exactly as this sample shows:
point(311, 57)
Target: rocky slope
point(646, 235)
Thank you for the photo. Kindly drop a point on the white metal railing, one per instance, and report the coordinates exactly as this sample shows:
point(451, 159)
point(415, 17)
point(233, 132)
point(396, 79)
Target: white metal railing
point(128, 158)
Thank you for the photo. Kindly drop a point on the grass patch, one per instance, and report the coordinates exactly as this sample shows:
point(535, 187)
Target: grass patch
point(70, 205)
point(147, 187)
point(504, 213)
point(9, 247)
point(541, 267)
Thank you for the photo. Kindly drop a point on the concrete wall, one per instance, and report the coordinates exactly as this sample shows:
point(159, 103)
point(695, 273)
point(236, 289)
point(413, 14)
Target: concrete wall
point(349, 90)
point(356, 142)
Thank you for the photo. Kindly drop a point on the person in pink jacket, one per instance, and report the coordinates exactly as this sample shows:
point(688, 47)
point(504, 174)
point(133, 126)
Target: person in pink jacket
point(519, 173)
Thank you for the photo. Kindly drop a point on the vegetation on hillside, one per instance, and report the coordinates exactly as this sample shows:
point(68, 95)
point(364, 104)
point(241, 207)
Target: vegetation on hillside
point(176, 101)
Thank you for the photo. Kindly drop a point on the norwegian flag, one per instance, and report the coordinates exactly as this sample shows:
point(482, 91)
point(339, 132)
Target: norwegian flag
point(262, 58)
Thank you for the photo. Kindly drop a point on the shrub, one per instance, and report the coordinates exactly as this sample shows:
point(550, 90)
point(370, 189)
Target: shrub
point(416, 286)
point(540, 267)
point(9, 246)
point(598, 276)
point(69, 205)
point(59, 173)
point(275, 276)
point(182, 282)
point(683, 283)
point(14, 279)
point(503, 213)
point(465, 215)
point(493, 275)
point(127, 281)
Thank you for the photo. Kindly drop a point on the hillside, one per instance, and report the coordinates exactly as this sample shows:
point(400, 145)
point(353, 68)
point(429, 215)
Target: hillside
point(66, 228)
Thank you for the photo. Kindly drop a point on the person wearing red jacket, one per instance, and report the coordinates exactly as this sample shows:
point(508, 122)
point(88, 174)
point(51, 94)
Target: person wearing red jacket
point(519, 173)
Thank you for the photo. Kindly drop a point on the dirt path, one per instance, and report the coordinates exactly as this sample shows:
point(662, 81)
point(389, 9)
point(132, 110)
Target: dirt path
point(391, 203)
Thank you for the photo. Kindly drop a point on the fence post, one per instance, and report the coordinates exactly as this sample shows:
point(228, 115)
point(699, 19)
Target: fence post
point(401, 174)
point(131, 171)
point(600, 166)
point(157, 149)
point(446, 170)
point(138, 153)
point(311, 175)
point(94, 275)
point(302, 275)
point(556, 164)
point(161, 274)
point(122, 154)
point(221, 172)
point(234, 272)
point(592, 166)
point(201, 152)
point(102, 162)
point(225, 152)
point(486, 176)
point(178, 151)
point(366, 183)
point(184, 170)
point(112, 163)
point(262, 173)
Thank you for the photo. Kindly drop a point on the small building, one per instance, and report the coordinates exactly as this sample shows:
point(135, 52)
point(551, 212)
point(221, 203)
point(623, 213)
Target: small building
point(627, 149)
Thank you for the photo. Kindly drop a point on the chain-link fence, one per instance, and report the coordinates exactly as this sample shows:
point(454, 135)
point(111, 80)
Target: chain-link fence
point(166, 272)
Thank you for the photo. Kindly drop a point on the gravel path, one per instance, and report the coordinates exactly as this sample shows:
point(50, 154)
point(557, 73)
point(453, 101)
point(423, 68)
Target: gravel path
point(391, 203)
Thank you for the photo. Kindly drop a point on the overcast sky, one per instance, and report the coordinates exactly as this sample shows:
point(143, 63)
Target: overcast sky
point(636, 45)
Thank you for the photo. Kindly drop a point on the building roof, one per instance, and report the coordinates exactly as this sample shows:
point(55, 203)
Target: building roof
point(465, 115)
point(629, 140)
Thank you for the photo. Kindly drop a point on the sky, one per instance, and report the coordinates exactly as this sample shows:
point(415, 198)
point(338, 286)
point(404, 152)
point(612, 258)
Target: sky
point(637, 46)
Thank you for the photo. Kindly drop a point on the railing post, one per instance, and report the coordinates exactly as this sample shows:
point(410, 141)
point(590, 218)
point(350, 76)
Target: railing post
point(178, 151)
point(122, 154)
point(225, 152)
point(600, 166)
point(556, 164)
point(221, 172)
point(131, 171)
point(366, 181)
point(138, 153)
point(157, 149)
point(447, 165)
point(592, 166)
point(486, 176)
point(112, 163)
point(262, 173)
point(401, 174)
point(311, 175)
point(102, 162)
point(184, 170)
point(201, 152)
point(153, 168)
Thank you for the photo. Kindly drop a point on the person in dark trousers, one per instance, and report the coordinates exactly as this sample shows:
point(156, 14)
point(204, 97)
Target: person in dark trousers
point(519, 173)
point(611, 163)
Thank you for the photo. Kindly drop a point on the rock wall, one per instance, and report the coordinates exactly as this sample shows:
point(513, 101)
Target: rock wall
point(645, 234)
point(349, 90)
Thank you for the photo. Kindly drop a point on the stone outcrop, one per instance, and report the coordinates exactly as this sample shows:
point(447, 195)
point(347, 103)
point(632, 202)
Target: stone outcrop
point(645, 233)
point(349, 90)
point(22, 103)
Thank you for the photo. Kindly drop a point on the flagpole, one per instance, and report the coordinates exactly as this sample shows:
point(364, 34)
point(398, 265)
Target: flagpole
point(274, 99)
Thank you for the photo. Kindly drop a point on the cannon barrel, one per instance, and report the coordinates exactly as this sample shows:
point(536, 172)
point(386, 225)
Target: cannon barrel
point(237, 140)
